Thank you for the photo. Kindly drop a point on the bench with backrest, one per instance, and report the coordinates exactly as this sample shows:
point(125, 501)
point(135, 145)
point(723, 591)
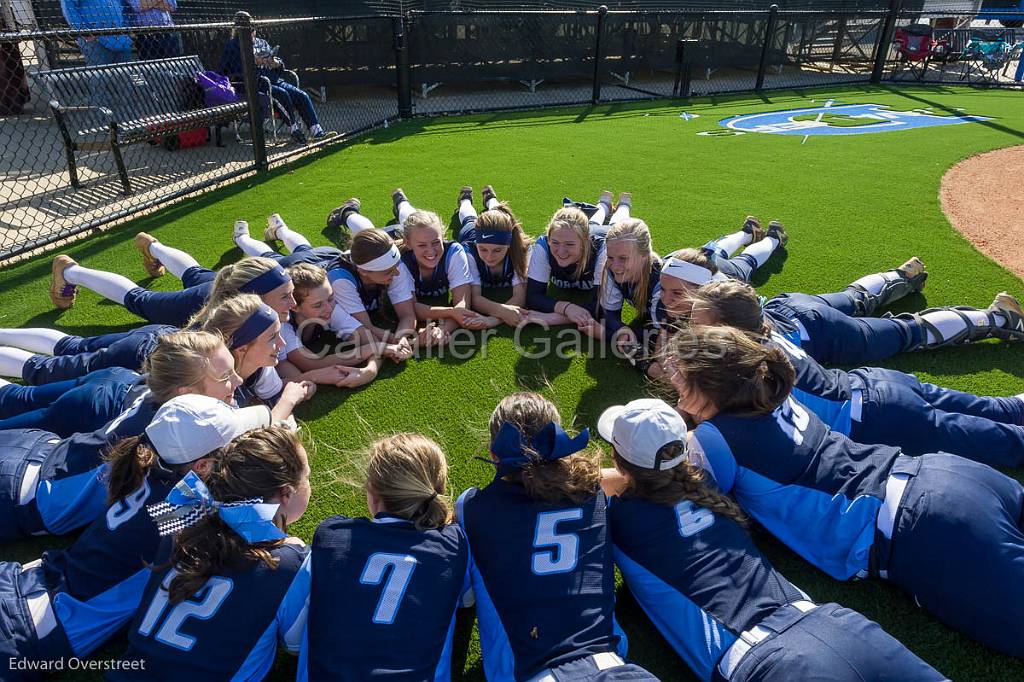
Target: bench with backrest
point(117, 105)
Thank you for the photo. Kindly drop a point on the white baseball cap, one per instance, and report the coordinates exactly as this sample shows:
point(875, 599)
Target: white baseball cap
point(191, 426)
point(640, 429)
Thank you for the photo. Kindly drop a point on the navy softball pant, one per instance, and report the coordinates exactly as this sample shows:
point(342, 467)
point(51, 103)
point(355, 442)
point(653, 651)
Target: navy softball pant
point(321, 256)
point(67, 407)
point(835, 336)
point(827, 644)
point(958, 547)
point(173, 307)
point(76, 356)
point(919, 418)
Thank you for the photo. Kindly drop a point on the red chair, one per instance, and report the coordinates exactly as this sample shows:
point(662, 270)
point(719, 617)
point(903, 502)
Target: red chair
point(916, 45)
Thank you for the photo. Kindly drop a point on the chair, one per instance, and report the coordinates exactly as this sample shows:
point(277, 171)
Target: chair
point(916, 45)
point(988, 56)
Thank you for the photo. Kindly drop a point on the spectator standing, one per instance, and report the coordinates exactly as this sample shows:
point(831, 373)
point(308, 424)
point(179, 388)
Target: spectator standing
point(155, 13)
point(87, 14)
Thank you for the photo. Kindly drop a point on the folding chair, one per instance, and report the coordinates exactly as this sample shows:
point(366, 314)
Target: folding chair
point(987, 56)
point(916, 45)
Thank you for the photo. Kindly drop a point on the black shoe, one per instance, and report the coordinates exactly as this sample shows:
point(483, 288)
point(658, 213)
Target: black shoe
point(466, 194)
point(339, 216)
point(299, 136)
point(397, 197)
point(488, 194)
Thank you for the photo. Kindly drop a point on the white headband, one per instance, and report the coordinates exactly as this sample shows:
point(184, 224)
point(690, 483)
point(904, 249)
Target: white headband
point(686, 271)
point(384, 262)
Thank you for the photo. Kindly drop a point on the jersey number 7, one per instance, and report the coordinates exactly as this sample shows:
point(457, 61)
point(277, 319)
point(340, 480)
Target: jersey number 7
point(401, 567)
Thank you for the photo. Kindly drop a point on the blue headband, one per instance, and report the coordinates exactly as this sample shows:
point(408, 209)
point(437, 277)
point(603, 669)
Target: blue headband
point(190, 500)
point(267, 282)
point(254, 325)
point(500, 237)
point(513, 450)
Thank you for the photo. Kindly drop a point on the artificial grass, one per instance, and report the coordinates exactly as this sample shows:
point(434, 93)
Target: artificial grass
point(852, 205)
point(838, 120)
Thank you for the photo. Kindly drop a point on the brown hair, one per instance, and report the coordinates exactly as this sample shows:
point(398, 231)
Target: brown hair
point(576, 220)
point(697, 257)
point(733, 303)
point(230, 280)
point(408, 474)
point(738, 373)
point(260, 463)
point(226, 318)
point(306, 276)
point(129, 460)
point(575, 477)
point(635, 231)
point(501, 219)
point(179, 360)
point(370, 244)
point(684, 481)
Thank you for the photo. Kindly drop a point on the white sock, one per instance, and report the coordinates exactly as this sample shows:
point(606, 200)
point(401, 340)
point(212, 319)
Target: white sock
point(404, 210)
point(492, 203)
point(621, 213)
point(12, 361)
point(4, 382)
point(36, 340)
point(290, 237)
point(873, 284)
point(466, 210)
point(762, 250)
point(731, 243)
point(598, 217)
point(296, 126)
point(357, 222)
point(317, 129)
point(175, 260)
point(109, 285)
point(251, 246)
point(950, 323)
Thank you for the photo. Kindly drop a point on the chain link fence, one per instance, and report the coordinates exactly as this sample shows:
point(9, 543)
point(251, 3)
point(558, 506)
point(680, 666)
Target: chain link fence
point(98, 124)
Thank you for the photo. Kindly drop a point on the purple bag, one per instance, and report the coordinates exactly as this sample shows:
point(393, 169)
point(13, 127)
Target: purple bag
point(217, 89)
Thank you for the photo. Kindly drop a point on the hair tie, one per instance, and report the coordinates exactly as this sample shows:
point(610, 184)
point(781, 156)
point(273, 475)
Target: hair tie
point(551, 443)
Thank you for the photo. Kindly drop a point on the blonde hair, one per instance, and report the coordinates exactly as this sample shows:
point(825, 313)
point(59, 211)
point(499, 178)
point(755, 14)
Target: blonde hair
point(369, 244)
point(501, 219)
point(420, 220)
point(574, 219)
point(575, 477)
point(180, 360)
point(229, 315)
point(305, 277)
point(697, 257)
point(635, 231)
point(408, 474)
point(230, 280)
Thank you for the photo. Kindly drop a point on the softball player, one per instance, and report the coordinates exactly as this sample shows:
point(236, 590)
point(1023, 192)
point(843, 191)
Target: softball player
point(173, 308)
point(570, 257)
point(760, 245)
point(853, 509)
point(877, 405)
point(391, 584)
point(50, 607)
point(697, 574)
point(71, 406)
point(631, 272)
point(498, 250)
point(299, 248)
point(542, 562)
point(234, 584)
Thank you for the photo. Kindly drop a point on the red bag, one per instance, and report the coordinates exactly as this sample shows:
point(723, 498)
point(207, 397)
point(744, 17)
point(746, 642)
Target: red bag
point(189, 138)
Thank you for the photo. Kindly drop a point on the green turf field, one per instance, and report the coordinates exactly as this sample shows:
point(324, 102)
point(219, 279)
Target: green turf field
point(852, 205)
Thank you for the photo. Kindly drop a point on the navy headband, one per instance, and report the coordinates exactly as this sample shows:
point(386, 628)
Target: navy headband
point(267, 282)
point(500, 237)
point(254, 325)
point(551, 443)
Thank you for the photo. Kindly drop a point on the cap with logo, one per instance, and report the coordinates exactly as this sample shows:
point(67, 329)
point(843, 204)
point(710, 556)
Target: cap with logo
point(640, 429)
point(191, 426)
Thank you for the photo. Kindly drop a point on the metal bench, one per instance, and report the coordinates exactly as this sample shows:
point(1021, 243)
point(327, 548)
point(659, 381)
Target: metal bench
point(113, 106)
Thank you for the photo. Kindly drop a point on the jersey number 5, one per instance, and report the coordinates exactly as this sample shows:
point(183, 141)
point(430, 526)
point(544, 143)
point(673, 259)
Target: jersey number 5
point(213, 594)
point(402, 566)
point(563, 557)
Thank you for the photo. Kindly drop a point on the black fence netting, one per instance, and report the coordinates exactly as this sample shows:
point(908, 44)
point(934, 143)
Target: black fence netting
point(101, 123)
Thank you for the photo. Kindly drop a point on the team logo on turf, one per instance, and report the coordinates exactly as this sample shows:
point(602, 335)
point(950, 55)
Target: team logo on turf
point(846, 119)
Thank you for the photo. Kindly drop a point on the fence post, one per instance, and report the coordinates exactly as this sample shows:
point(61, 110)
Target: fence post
point(681, 87)
point(769, 35)
point(837, 47)
point(403, 79)
point(602, 12)
point(244, 30)
point(885, 40)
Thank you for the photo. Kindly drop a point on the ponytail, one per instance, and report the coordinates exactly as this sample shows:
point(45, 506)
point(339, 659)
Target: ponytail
point(408, 474)
point(129, 461)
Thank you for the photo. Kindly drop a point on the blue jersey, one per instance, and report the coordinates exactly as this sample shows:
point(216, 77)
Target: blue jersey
point(826, 392)
point(371, 296)
point(383, 600)
point(814, 489)
point(543, 579)
point(262, 387)
point(489, 280)
point(566, 277)
point(228, 630)
point(437, 284)
point(697, 575)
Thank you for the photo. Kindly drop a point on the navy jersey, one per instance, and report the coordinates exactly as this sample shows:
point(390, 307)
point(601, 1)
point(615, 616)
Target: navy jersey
point(787, 326)
point(228, 630)
point(262, 387)
point(451, 271)
point(826, 392)
point(383, 600)
point(814, 489)
point(565, 277)
point(489, 280)
point(370, 295)
point(697, 575)
point(543, 579)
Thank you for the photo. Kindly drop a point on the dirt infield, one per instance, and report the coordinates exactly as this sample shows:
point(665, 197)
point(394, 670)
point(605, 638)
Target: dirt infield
point(982, 197)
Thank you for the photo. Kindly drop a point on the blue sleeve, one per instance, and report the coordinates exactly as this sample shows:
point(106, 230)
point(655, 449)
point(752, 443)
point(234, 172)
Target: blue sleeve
point(72, 13)
point(537, 297)
point(718, 458)
point(231, 60)
point(612, 322)
point(69, 503)
point(294, 609)
point(91, 623)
